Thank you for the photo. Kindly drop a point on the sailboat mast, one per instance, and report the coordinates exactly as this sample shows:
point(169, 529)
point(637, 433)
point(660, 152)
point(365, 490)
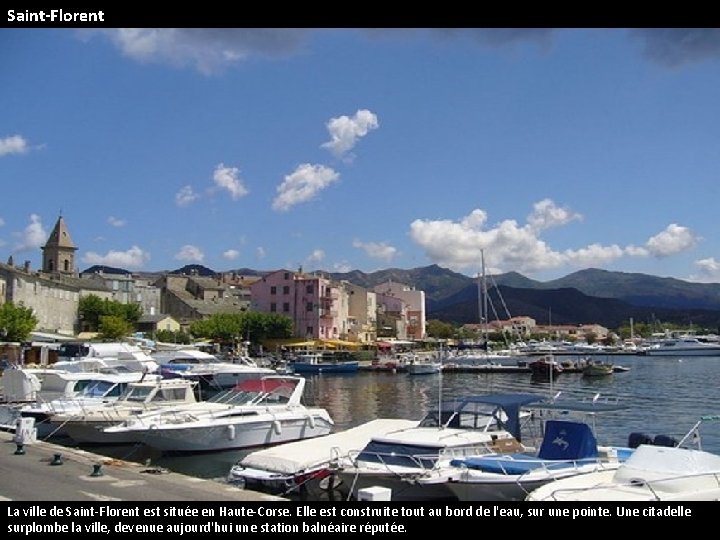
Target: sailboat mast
point(483, 300)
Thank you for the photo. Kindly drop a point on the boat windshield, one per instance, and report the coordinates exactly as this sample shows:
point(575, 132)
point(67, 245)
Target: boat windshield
point(404, 455)
point(103, 389)
point(258, 392)
point(138, 394)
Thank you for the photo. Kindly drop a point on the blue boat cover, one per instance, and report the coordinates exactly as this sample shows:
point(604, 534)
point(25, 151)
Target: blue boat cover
point(567, 443)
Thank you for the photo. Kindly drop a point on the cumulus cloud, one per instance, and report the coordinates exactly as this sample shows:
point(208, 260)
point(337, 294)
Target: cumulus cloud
point(190, 253)
point(186, 196)
point(302, 185)
point(260, 252)
point(206, 49)
point(15, 144)
point(546, 215)
point(32, 237)
point(345, 131)
point(318, 255)
point(674, 239)
point(231, 254)
point(674, 47)
point(228, 178)
point(342, 266)
point(377, 250)
point(132, 258)
point(709, 270)
point(593, 255)
point(509, 245)
point(116, 222)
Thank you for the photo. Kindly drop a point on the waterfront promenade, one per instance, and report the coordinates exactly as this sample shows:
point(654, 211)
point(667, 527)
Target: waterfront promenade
point(32, 476)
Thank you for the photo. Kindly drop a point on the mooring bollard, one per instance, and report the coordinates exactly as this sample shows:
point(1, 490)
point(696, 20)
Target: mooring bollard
point(57, 460)
point(20, 450)
point(97, 470)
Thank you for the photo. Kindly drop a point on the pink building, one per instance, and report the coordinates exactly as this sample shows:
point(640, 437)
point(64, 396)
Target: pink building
point(317, 306)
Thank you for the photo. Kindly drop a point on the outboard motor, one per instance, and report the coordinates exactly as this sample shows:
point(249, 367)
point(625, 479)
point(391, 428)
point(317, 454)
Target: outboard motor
point(636, 439)
point(665, 440)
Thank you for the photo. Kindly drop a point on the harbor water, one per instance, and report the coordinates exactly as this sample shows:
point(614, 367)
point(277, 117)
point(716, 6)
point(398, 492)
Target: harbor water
point(663, 395)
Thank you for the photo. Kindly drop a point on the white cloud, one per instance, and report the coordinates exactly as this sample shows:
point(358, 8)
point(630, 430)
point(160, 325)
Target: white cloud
point(32, 237)
point(190, 253)
point(377, 250)
point(546, 215)
point(132, 258)
point(15, 144)
point(260, 252)
point(593, 255)
point(507, 245)
point(231, 254)
point(318, 255)
point(206, 49)
point(2, 222)
point(674, 239)
point(228, 178)
point(709, 270)
point(116, 222)
point(342, 266)
point(345, 131)
point(186, 196)
point(302, 185)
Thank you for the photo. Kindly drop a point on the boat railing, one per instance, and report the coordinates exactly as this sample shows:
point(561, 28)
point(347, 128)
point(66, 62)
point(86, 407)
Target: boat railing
point(654, 486)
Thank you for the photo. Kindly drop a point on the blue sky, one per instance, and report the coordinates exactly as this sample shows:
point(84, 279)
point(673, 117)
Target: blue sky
point(549, 150)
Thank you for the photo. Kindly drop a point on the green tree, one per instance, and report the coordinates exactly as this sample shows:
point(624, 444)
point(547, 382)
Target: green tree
point(16, 322)
point(231, 328)
point(113, 328)
point(439, 329)
point(168, 336)
point(92, 308)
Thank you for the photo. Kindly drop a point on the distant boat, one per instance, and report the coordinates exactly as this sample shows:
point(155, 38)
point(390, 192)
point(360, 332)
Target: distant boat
point(683, 346)
point(598, 369)
point(545, 367)
point(322, 363)
point(418, 366)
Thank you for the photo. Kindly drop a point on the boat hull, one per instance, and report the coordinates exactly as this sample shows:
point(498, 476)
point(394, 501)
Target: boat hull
point(233, 436)
point(340, 367)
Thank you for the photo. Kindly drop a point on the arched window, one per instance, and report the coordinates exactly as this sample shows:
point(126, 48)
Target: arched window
point(66, 265)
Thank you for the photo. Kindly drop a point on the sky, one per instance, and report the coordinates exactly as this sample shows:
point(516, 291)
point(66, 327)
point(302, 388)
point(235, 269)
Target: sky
point(540, 151)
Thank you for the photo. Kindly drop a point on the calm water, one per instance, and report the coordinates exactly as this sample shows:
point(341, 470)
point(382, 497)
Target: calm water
point(663, 395)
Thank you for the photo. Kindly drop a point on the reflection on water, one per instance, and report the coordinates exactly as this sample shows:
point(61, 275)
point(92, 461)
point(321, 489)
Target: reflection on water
point(663, 395)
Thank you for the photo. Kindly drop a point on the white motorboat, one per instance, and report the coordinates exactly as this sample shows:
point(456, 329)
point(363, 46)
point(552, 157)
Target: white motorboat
point(651, 473)
point(210, 372)
point(86, 426)
point(473, 426)
point(422, 366)
point(102, 356)
point(257, 412)
point(302, 465)
point(102, 388)
point(683, 346)
point(568, 448)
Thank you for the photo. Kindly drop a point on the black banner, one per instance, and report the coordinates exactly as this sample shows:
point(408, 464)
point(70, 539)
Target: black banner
point(203, 518)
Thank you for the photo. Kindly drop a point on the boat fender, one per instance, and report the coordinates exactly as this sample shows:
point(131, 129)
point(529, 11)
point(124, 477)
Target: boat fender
point(277, 428)
point(311, 421)
point(231, 432)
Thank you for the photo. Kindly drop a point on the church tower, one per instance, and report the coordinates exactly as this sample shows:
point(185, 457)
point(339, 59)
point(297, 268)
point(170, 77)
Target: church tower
point(59, 250)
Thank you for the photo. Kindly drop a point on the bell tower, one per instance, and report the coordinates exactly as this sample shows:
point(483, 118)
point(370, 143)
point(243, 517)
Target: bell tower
point(59, 250)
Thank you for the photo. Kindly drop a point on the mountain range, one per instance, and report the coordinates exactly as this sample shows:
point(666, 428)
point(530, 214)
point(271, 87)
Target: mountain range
point(588, 296)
